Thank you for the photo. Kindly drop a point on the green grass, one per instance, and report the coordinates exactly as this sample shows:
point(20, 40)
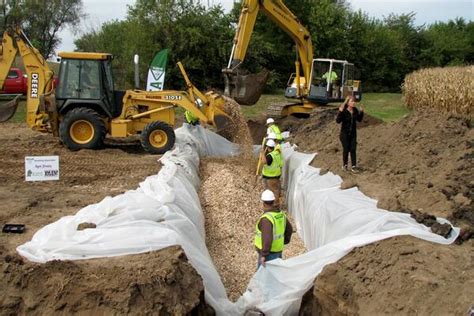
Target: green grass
point(388, 107)
point(260, 108)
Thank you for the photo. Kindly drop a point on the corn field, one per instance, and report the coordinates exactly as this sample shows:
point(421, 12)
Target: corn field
point(449, 89)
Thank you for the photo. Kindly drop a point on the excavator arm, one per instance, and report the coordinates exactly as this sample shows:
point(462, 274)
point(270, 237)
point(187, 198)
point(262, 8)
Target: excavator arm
point(40, 81)
point(277, 12)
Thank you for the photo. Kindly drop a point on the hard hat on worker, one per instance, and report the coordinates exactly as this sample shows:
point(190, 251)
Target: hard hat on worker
point(271, 143)
point(268, 196)
point(271, 136)
point(270, 121)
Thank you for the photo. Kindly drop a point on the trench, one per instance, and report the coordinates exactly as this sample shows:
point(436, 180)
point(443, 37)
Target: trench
point(230, 200)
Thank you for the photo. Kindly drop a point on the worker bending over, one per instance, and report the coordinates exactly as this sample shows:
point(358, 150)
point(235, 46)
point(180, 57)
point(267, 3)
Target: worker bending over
point(272, 232)
point(272, 167)
point(191, 118)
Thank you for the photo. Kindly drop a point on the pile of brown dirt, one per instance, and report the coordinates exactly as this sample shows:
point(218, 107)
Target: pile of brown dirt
point(424, 163)
point(153, 283)
point(398, 276)
point(158, 282)
point(230, 198)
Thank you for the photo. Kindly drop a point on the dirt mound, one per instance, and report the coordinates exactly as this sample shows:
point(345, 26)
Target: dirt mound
point(423, 163)
point(398, 276)
point(158, 282)
point(230, 197)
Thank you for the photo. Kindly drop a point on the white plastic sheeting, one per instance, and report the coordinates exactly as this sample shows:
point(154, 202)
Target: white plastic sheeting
point(165, 211)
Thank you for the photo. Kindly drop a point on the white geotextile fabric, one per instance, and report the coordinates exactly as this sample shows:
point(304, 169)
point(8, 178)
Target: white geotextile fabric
point(165, 211)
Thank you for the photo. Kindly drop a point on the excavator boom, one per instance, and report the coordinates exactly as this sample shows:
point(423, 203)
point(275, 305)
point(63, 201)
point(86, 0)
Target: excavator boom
point(246, 88)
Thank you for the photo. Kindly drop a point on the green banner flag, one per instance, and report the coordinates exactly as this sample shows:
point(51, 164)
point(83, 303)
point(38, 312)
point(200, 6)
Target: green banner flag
point(157, 71)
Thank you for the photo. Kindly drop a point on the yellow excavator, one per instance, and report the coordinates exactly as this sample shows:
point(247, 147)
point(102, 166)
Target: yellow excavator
point(84, 107)
point(315, 81)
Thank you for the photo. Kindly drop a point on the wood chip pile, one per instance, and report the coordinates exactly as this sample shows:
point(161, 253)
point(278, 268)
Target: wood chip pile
point(240, 131)
point(230, 198)
point(448, 89)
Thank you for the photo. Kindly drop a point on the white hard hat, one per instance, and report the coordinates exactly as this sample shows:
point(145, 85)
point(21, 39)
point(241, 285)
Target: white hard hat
point(268, 196)
point(270, 143)
point(271, 136)
point(270, 121)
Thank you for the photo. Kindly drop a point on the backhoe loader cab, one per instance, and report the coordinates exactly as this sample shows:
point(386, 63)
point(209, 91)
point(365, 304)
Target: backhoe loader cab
point(86, 79)
point(332, 81)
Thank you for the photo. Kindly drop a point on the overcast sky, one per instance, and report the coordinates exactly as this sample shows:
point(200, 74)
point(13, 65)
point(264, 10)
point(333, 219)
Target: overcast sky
point(427, 11)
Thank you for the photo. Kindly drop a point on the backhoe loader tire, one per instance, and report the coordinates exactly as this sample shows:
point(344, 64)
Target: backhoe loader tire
point(82, 128)
point(157, 138)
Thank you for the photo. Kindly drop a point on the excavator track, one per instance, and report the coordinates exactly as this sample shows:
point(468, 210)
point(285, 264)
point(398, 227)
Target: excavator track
point(281, 110)
point(277, 110)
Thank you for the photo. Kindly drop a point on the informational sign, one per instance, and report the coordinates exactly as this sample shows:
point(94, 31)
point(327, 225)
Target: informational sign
point(41, 168)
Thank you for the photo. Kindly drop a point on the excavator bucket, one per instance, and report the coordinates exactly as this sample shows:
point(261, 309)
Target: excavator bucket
point(245, 88)
point(7, 110)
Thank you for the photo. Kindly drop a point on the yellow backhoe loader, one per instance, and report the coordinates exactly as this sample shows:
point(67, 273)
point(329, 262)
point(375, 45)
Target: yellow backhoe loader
point(84, 107)
point(315, 81)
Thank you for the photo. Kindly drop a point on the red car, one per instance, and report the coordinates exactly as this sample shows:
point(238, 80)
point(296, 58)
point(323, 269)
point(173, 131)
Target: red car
point(15, 83)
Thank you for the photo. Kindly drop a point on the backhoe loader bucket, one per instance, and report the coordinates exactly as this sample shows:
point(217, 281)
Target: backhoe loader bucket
point(225, 126)
point(7, 110)
point(245, 88)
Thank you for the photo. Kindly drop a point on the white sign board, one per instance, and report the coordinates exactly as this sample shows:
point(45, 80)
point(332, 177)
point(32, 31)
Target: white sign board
point(42, 168)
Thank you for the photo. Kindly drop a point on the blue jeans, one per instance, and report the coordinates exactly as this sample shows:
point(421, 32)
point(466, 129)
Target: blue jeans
point(270, 257)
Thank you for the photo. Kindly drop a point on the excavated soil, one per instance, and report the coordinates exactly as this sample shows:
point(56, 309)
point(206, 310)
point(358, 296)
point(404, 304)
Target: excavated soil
point(424, 163)
point(159, 282)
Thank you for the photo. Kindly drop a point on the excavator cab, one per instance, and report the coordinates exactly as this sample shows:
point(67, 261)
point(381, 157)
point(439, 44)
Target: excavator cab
point(86, 79)
point(332, 81)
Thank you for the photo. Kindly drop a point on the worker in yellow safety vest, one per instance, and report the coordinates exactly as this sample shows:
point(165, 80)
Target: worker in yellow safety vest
point(272, 169)
point(274, 138)
point(191, 118)
point(330, 76)
point(272, 231)
point(273, 128)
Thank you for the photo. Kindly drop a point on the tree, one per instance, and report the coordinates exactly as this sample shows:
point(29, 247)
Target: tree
point(449, 43)
point(200, 37)
point(42, 20)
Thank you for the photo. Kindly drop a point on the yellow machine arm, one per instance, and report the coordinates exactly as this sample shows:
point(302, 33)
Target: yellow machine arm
point(40, 79)
point(279, 13)
point(209, 108)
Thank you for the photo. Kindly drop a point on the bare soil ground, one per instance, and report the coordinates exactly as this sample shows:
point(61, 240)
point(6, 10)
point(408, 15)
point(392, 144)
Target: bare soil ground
point(158, 282)
point(424, 162)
